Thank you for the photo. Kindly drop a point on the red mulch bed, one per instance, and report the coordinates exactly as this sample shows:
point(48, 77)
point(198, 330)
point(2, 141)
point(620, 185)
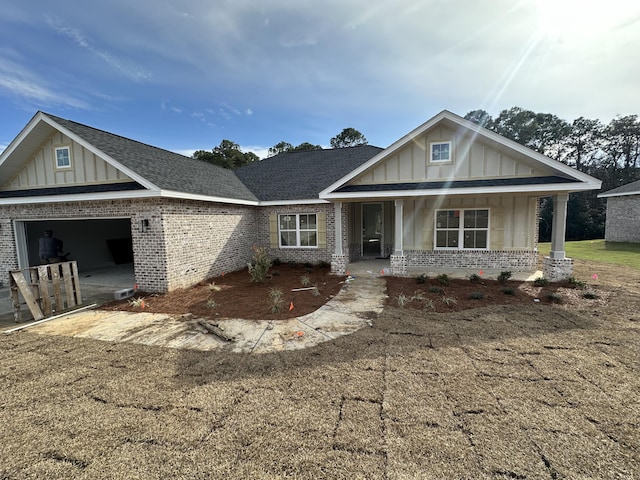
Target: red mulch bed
point(234, 295)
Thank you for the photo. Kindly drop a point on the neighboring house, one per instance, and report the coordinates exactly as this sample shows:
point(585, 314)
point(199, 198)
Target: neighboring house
point(450, 194)
point(623, 213)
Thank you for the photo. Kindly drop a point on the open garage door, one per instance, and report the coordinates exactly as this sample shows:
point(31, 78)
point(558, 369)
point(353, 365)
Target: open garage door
point(93, 243)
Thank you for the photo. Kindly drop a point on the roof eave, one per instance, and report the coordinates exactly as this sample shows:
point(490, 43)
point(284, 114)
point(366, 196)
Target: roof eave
point(537, 189)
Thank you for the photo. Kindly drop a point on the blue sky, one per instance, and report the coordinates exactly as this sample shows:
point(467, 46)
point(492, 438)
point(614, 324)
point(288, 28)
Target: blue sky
point(183, 75)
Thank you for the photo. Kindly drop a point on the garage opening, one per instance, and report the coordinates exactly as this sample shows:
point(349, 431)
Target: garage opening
point(102, 247)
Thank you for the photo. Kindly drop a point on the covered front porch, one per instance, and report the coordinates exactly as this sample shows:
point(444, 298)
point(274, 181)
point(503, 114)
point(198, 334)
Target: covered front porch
point(400, 237)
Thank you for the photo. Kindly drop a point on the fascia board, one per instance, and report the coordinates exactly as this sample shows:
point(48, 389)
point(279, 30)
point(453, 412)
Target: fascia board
point(96, 151)
point(312, 201)
point(80, 197)
point(20, 137)
point(558, 187)
point(204, 198)
point(625, 194)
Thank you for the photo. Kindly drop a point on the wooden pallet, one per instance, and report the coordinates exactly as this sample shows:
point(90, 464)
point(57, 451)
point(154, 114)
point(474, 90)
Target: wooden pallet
point(45, 289)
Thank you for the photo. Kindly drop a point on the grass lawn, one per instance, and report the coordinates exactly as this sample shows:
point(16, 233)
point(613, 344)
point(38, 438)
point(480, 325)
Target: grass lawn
point(600, 251)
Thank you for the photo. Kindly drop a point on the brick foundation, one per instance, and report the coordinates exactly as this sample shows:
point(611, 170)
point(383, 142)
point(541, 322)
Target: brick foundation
point(516, 260)
point(557, 269)
point(398, 265)
point(339, 264)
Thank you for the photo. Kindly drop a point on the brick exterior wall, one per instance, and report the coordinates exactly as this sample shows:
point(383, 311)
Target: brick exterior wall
point(517, 260)
point(623, 219)
point(186, 241)
point(301, 255)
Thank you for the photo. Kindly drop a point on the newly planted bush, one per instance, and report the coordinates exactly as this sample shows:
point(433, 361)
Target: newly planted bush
point(449, 301)
point(476, 295)
point(260, 265)
point(504, 276)
point(475, 278)
point(541, 282)
point(443, 279)
point(276, 300)
point(508, 291)
point(435, 290)
point(422, 278)
point(305, 280)
point(402, 300)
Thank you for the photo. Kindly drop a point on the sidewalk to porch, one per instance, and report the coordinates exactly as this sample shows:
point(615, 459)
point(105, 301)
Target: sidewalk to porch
point(381, 267)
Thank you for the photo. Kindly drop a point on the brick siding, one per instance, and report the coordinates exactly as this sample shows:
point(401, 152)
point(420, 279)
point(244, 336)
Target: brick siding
point(623, 219)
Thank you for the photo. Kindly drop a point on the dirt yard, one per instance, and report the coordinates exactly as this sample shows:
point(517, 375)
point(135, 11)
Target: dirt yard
point(526, 391)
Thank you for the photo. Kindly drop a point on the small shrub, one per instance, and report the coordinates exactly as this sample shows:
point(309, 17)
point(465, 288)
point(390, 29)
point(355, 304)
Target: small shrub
point(428, 305)
point(212, 304)
point(293, 264)
point(305, 280)
point(575, 283)
point(275, 273)
point(308, 266)
point(443, 279)
point(276, 300)
point(449, 301)
point(214, 288)
point(137, 302)
point(436, 290)
point(422, 278)
point(476, 295)
point(324, 264)
point(260, 265)
point(504, 276)
point(541, 282)
point(402, 300)
point(508, 291)
point(590, 295)
point(315, 291)
point(475, 278)
point(554, 298)
point(276, 262)
point(418, 295)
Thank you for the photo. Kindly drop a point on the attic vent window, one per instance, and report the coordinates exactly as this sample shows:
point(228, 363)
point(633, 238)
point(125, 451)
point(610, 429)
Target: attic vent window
point(440, 152)
point(63, 157)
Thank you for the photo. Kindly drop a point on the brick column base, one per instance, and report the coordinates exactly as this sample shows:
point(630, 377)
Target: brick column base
point(339, 264)
point(557, 269)
point(398, 265)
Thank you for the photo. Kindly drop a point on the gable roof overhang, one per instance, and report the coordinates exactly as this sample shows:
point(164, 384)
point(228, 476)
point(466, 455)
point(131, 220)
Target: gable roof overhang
point(39, 130)
point(575, 180)
point(632, 188)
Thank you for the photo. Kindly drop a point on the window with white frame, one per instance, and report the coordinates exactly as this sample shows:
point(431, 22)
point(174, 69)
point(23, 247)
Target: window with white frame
point(462, 229)
point(440, 152)
point(298, 230)
point(63, 157)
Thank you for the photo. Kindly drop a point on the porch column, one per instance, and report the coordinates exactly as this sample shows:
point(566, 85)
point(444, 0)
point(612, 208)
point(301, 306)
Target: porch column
point(556, 267)
point(337, 209)
point(398, 259)
point(338, 259)
point(397, 241)
point(559, 226)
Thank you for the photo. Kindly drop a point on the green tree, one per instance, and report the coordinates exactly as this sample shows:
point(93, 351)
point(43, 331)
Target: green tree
point(583, 143)
point(480, 117)
point(226, 155)
point(283, 147)
point(349, 137)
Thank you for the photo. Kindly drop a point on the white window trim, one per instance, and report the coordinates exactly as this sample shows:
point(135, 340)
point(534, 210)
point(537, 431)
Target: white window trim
point(441, 162)
point(461, 230)
point(55, 157)
point(298, 230)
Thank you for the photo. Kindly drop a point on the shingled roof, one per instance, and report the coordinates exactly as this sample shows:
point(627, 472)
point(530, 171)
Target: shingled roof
point(167, 170)
point(302, 175)
point(632, 188)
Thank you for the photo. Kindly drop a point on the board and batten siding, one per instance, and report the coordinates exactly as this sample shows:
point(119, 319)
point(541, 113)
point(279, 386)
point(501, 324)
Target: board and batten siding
point(471, 160)
point(86, 168)
point(512, 220)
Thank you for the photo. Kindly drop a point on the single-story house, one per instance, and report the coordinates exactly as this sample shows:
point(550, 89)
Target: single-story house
point(623, 213)
point(448, 194)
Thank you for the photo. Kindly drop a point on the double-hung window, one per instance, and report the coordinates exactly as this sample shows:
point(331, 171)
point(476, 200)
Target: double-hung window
point(462, 229)
point(298, 230)
point(63, 157)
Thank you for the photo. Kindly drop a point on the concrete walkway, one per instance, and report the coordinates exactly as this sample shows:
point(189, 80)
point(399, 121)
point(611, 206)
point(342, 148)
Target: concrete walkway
point(359, 301)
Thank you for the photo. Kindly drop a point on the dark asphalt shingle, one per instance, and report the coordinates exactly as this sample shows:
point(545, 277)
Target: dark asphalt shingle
point(302, 175)
point(629, 188)
point(165, 169)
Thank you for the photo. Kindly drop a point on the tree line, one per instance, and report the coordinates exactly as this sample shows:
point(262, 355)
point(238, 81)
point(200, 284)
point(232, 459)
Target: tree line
point(229, 155)
point(609, 152)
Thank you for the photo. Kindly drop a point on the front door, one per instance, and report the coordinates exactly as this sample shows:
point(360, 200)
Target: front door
point(372, 231)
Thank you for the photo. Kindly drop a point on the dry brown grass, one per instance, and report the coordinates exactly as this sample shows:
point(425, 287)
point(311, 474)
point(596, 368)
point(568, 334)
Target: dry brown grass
point(541, 391)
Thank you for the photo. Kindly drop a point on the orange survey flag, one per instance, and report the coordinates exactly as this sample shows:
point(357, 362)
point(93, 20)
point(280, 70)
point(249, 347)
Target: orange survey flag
point(291, 306)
